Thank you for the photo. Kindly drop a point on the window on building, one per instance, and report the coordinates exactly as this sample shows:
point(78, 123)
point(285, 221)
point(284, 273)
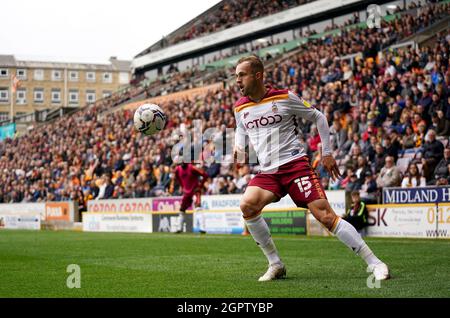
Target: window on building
point(21, 96)
point(90, 96)
point(56, 75)
point(73, 97)
point(90, 76)
point(73, 76)
point(4, 94)
point(4, 72)
point(38, 95)
point(21, 74)
point(107, 77)
point(39, 75)
point(56, 96)
point(4, 116)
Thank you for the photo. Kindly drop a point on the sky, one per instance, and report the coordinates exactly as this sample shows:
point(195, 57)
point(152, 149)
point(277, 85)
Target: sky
point(90, 30)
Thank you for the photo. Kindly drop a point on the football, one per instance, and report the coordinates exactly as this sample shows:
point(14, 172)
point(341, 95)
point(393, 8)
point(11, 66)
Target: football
point(149, 119)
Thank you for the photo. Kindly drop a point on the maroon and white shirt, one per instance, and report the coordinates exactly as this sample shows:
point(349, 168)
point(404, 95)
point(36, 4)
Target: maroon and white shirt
point(272, 127)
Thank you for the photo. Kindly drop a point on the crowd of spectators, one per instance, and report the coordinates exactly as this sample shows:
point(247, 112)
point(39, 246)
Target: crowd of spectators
point(389, 116)
point(227, 14)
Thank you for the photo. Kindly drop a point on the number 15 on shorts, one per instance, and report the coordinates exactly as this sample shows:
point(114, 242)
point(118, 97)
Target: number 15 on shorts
point(304, 185)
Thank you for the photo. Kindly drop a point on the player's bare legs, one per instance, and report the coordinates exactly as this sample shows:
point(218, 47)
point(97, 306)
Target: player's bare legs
point(252, 203)
point(348, 235)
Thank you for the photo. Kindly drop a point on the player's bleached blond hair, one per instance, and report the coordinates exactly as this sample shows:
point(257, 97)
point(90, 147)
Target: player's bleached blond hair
point(256, 64)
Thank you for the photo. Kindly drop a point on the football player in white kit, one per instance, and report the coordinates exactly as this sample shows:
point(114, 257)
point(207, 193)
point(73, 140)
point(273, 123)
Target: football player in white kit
point(269, 118)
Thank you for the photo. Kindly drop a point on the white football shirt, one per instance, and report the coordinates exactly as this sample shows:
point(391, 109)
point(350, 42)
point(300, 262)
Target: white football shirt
point(272, 127)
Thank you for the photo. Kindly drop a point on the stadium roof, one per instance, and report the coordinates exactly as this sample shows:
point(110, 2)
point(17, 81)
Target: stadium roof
point(7, 60)
point(296, 17)
point(116, 65)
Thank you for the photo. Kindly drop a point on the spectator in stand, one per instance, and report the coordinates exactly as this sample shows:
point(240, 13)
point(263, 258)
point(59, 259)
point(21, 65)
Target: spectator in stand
point(369, 191)
point(390, 175)
point(380, 156)
point(442, 124)
point(314, 139)
point(433, 152)
point(441, 171)
point(362, 169)
point(86, 143)
point(413, 177)
point(408, 139)
point(357, 215)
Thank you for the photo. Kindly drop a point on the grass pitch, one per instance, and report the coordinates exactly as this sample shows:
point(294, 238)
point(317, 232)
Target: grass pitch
point(34, 264)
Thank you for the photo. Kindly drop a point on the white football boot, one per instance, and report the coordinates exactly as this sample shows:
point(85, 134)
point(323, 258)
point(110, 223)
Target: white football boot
point(275, 271)
point(380, 271)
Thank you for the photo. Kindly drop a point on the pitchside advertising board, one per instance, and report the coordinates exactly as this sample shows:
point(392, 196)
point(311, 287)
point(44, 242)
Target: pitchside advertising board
point(60, 211)
point(231, 201)
point(28, 209)
point(170, 222)
point(409, 220)
point(117, 222)
point(22, 222)
point(165, 216)
point(291, 221)
point(280, 221)
point(121, 205)
point(220, 213)
point(219, 222)
point(416, 195)
point(47, 211)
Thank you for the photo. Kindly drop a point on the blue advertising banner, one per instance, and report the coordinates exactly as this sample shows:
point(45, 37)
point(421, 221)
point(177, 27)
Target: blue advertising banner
point(7, 131)
point(416, 195)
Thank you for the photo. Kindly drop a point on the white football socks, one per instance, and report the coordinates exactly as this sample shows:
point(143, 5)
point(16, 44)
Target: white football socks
point(258, 228)
point(348, 235)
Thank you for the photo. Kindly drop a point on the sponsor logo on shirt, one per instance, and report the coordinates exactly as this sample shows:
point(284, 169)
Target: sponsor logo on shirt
point(305, 103)
point(264, 121)
point(274, 107)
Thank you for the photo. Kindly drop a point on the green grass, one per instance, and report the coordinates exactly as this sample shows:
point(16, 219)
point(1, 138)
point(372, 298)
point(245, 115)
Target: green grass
point(33, 264)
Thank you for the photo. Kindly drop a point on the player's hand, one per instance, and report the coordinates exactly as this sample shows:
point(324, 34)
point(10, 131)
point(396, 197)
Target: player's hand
point(239, 155)
point(330, 165)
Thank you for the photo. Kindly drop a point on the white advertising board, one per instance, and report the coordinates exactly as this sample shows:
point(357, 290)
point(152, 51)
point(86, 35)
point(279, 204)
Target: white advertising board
point(219, 222)
point(20, 222)
point(29, 209)
point(409, 220)
point(117, 222)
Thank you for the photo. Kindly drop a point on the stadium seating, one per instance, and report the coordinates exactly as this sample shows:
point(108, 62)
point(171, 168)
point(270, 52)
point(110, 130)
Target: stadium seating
point(75, 156)
point(224, 15)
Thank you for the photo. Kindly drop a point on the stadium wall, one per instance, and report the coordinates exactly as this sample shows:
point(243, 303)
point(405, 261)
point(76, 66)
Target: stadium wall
point(221, 214)
point(38, 215)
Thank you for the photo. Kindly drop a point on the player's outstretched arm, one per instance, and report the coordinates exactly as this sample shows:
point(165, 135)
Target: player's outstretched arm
point(305, 110)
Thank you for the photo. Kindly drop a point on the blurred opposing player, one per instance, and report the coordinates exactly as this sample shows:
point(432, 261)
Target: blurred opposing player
point(191, 180)
point(269, 118)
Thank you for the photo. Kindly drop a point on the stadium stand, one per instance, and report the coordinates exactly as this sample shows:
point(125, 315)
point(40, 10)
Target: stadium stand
point(224, 15)
point(381, 101)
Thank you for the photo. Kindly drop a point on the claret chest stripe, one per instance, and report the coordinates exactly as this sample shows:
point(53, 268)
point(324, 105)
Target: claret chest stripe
point(265, 100)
